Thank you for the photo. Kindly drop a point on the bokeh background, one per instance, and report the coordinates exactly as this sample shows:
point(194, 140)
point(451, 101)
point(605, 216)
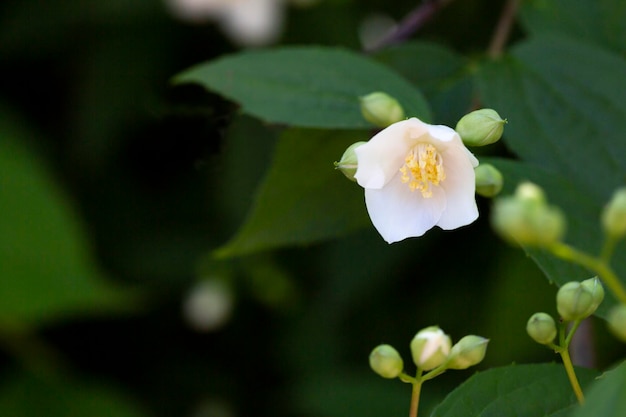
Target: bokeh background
point(116, 186)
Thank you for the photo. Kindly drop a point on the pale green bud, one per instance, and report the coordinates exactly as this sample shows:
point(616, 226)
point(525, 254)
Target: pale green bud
point(614, 214)
point(594, 286)
point(481, 127)
point(386, 361)
point(488, 180)
point(381, 109)
point(617, 321)
point(541, 328)
point(430, 348)
point(468, 351)
point(574, 301)
point(526, 218)
point(349, 162)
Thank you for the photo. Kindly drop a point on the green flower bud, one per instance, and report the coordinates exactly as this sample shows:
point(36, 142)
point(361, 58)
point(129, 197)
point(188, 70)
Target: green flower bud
point(614, 214)
point(481, 127)
point(526, 218)
point(349, 163)
point(574, 301)
point(617, 321)
point(468, 351)
point(430, 348)
point(386, 361)
point(594, 286)
point(381, 109)
point(541, 328)
point(488, 180)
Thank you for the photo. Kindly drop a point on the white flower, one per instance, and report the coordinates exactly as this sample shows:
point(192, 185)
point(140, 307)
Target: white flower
point(248, 22)
point(417, 176)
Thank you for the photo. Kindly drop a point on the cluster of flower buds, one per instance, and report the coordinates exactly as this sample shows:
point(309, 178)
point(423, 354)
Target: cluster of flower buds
point(526, 218)
point(431, 348)
point(575, 301)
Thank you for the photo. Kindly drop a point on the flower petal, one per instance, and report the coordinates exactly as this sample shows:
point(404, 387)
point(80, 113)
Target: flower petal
point(460, 187)
point(398, 213)
point(382, 157)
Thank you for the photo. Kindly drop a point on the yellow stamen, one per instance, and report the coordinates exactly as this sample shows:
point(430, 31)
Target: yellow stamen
point(423, 168)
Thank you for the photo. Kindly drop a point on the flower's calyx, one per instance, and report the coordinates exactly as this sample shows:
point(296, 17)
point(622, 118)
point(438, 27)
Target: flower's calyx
point(349, 162)
point(541, 328)
point(578, 300)
point(617, 321)
point(423, 168)
point(386, 361)
point(614, 214)
point(527, 219)
point(468, 351)
point(481, 127)
point(430, 348)
point(489, 180)
point(381, 109)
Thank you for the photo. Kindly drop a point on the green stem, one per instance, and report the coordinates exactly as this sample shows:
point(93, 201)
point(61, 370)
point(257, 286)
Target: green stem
point(599, 266)
point(607, 249)
point(569, 368)
point(415, 398)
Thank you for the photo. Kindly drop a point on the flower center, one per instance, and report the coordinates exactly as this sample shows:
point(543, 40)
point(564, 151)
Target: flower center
point(423, 168)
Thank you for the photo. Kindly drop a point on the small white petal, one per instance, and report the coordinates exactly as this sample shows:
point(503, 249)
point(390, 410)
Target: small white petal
point(253, 22)
point(398, 213)
point(382, 157)
point(459, 186)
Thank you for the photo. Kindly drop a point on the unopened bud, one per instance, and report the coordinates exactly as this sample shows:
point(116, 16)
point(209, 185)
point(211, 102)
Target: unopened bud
point(617, 321)
point(430, 348)
point(594, 286)
point(574, 301)
point(481, 127)
point(614, 214)
point(209, 305)
point(488, 180)
point(541, 328)
point(468, 351)
point(349, 162)
point(381, 109)
point(386, 361)
point(527, 219)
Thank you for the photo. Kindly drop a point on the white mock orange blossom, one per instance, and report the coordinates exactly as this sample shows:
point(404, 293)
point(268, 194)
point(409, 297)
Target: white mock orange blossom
point(417, 176)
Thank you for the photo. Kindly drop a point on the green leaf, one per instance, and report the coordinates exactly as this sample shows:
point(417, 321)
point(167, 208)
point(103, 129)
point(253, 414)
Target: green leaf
point(302, 199)
point(606, 396)
point(440, 73)
point(565, 104)
point(517, 390)
point(30, 395)
point(597, 21)
point(46, 266)
point(304, 86)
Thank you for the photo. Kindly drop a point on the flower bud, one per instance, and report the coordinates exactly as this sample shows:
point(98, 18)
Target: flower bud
point(488, 180)
point(527, 219)
point(481, 127)
point(541, 328)
point(209, 305)
point(574, 301)
point(594, 286)
point(614, 214)
point(386, 361)
point(381, 109)
point(617, 321)
point(468, 351)
point(430, 348)
point(349, 163)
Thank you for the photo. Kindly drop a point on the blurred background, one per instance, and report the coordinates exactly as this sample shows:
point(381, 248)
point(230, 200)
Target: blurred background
point(115, 188)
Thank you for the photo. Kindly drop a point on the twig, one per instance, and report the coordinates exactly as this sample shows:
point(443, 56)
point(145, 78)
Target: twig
point(411, 23)
point(503, 29)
